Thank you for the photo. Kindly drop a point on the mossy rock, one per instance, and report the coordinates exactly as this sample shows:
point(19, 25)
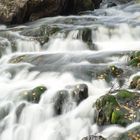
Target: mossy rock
point(134, 59)
point(135, 83)
point(121, 108)
point(133, 134)
point(110, 73)
point(18, 59)
point(33, 95)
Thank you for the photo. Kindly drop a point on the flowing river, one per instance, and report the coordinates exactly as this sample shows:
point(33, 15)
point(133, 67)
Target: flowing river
point(59, 53)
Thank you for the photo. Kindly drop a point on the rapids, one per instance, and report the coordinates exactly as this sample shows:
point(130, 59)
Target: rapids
point(66, 59)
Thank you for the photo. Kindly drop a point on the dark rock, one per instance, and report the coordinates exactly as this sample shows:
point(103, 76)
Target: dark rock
point(19, 11)
point(59, 101)
point(111, 4)
point(87, 35)
point(80, 92)
point(122, 108)
point(92, 137)
point(33, 95)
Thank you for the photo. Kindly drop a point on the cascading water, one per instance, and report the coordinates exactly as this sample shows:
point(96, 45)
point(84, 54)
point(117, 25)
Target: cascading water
point(59, 53)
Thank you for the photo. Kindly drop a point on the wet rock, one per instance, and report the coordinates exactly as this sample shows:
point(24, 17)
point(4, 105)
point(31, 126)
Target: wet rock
point(110, 73)
point(135, 83)
point(59, 101)
point(19, 11)
point(111, 4)
point(4, 110)
point(19, 110)
point(92, 137)
point(87, 35)
point(33, 95)
point(133, 134)
point(134, 59)
point(121, 108)
point(80, 93)
point(17, 59)
point(42, 34)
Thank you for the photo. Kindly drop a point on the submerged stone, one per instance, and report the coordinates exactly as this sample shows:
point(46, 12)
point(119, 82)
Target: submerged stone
point(19, 110)
point(4, 110)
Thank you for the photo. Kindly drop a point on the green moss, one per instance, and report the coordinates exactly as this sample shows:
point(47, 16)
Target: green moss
point(121, 108)
point(124, 94)
point(34, 95)
point(107, 99)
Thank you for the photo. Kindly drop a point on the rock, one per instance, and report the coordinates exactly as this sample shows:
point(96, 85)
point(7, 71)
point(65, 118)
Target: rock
point(111, 4)
point(17, 59)
point(135, 83)
point(92, 137)
point(19, 110)
point(80, 93)
point(134, 59)
point(87, 35)
point(110, 73)
point(20, 11)
point(121, 108)
point(42, 34)
point(59, 101)
point(5, 110)
point(33, 95)
point(133, 134)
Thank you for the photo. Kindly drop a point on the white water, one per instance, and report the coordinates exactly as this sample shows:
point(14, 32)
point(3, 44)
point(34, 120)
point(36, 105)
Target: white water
point(64, 62)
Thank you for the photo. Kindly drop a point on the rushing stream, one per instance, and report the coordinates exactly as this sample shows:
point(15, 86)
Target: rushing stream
point(59, 53)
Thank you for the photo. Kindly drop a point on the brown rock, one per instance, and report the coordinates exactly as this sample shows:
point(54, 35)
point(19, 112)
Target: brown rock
point(20, 11)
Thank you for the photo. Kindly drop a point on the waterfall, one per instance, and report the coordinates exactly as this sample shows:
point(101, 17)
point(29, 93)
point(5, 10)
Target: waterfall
point(61, 54)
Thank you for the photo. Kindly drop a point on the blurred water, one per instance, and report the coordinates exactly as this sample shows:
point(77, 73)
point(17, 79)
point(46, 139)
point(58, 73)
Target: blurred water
point(65, 60)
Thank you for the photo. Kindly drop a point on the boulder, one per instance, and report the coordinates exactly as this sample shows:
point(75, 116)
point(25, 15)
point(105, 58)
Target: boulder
point(80, 93)
point(20, 11)
point(132, 134)
point(59, 101)
point(121, 108)
point(33, 95)
point(77, 93)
